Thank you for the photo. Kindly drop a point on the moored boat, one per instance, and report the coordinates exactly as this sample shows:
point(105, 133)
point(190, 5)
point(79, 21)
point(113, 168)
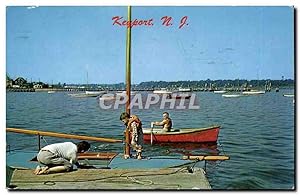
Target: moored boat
point(184, 89)
point(253, 92)
point(231, 95)
point(122, 93)
point(196, 135)
point(288, 95)
point(94, 92)
point(82, 95)
point(162, 91)
point(179, 96)
point(220, 92)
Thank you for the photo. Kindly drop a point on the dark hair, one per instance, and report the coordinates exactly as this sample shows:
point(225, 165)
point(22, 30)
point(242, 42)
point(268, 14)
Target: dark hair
point(85, 146)
point(166, 113)
point(124, 115)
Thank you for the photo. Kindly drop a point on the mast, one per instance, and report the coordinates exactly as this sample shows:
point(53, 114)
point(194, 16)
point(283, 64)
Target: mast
point(128, 81)
point(128, 61)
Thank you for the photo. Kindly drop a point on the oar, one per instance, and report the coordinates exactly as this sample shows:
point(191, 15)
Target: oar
point(199, 158)
point(205, 158)
point(151, 135)
point(62, 135)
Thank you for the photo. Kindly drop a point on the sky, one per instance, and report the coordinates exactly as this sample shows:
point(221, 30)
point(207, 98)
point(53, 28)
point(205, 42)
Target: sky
point(81, 45)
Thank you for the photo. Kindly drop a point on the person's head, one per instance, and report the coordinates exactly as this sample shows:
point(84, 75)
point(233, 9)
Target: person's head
point(165, 115)
point(83, 146)
point(124, 117)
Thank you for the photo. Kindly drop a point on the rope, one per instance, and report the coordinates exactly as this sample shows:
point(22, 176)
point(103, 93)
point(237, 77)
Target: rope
point(131, 178)
point(142, 182)
point(44, 140)
point(222, 148)
point(217, 163)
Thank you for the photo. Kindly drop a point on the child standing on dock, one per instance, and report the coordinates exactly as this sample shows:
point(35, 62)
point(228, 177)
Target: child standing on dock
point(134, 125)
point(60, 157)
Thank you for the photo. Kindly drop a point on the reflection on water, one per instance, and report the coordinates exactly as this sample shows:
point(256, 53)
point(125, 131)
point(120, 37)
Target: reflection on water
point(257, 132)
point(191, 148)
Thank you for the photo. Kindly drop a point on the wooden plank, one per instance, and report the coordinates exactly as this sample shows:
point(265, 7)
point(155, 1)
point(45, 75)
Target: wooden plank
point(101, 179)
point(62, 135)
point(96, 156)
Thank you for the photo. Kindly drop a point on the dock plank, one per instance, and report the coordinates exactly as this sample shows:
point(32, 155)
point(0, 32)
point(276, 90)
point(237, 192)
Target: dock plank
point(112, 179)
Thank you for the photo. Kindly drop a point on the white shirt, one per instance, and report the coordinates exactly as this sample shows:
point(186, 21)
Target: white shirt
point(66, 150)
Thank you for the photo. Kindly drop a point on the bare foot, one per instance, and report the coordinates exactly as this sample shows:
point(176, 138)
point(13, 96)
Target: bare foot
point(37, 170)
point(44, 170)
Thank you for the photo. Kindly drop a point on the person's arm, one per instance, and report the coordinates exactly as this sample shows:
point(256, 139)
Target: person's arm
point(134, 135)
point(73, 157)
point(162, 123)
point(74, 160)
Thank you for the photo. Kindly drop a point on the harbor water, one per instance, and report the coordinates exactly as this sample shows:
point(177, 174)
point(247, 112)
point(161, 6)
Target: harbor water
point(257, 132)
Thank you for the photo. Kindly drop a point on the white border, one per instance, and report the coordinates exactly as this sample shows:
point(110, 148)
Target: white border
point(153, 2)
point(5, 3)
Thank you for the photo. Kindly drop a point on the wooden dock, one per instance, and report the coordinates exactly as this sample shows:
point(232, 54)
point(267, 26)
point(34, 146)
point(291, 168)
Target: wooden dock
point(112, 179)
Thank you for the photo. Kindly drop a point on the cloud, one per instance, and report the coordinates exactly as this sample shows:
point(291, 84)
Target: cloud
point(22, 37)
point(229, 49)
point(225, 49)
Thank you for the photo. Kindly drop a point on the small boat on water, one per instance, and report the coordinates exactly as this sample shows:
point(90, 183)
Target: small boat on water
point(179, 96)
point(94, 92)
point(51, 92)
point(162, 91)
point(184, 89)
point(196, 135)
point(220, 92)
point(253, 92)
point(82, 95)
point(231, 95)
point(121, 93)
point(288, 95)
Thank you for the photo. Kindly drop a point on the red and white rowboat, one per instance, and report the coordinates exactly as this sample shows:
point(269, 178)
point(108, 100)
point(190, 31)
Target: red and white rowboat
point(197, 135)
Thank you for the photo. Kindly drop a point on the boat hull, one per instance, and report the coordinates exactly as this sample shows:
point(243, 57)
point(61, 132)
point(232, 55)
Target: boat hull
point(203, 135)
point(253, 92)
point(288, 95)
point(231, 95)
point(219, 92)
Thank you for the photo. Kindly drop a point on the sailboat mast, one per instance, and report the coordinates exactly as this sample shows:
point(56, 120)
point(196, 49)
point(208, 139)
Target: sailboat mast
point(128, 82)
point(128, 61)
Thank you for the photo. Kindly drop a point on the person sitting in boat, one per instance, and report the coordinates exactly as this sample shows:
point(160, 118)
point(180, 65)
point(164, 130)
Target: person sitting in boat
point(60, 157)
point(134, 124)
point(166, 123)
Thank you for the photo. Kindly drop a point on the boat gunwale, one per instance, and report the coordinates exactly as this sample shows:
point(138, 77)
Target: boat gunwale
point(185, 131)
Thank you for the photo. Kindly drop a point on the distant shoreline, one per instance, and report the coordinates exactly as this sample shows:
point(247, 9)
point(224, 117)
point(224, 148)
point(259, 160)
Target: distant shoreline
point(21, 85)
point(83, 90)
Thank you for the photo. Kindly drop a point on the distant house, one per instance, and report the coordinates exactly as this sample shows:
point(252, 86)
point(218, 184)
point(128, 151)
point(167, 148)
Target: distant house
point(9, 83)
point(15, 86)
point(37, 86)
point(20, 81)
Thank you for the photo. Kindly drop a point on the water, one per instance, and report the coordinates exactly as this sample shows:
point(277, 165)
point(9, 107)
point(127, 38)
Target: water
point(257, 132)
